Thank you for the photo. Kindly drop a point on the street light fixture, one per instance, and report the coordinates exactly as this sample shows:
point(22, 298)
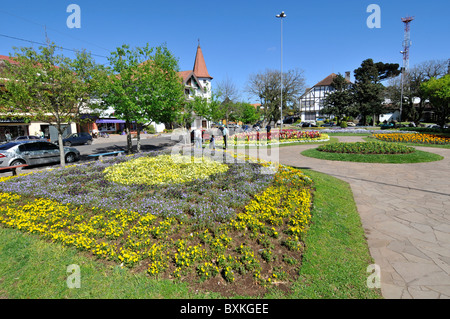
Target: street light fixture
point(281, 16)
point(401, 94)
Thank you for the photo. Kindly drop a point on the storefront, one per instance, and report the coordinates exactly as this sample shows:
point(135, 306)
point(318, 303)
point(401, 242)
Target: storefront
point(10, 128)
point(110, 125)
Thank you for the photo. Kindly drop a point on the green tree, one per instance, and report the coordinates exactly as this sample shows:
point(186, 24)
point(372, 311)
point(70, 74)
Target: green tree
point(247, 113)
point(338, 102)
point(143, 86)
point(438, 92)
point(368, 91)
point(51, 88)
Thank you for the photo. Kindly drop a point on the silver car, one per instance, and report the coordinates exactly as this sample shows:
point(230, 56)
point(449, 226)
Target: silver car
point(34, 153)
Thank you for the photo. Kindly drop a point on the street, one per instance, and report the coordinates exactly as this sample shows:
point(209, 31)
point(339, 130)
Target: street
point(113, 143)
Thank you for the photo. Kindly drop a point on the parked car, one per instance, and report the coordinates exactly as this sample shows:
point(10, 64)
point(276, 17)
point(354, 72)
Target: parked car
point(28, 137)
point(351, 124)
point(330, 124)
point(77, 139)
point(34, 153)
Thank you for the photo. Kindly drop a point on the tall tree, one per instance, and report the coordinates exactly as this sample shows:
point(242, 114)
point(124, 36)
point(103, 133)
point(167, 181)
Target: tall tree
point(266, 87)
point(143, 86)
point(438, 92)
point(338, 102)
point(414, 99)
point(227, 93)
point(368, 91)
point(51, 88)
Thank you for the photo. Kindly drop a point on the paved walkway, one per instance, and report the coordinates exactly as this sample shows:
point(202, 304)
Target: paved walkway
point(405, 212)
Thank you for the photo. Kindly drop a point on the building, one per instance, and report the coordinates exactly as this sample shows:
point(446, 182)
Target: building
point(197, 82)
point(312, 101)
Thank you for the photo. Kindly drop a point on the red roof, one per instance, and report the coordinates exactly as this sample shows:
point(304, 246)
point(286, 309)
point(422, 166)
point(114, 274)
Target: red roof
point(328, 80)
point(200, 69)
point(9, 59)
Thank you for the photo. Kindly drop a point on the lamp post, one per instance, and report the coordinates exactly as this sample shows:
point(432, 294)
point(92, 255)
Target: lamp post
point(281, 16)
point(401, 90)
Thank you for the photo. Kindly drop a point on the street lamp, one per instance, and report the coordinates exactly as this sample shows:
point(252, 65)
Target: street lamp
point(281, 16)
point(401, 94)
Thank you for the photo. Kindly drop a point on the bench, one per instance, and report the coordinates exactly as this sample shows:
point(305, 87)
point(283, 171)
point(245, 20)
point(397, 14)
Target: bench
point(100, 155)
point(14, 168)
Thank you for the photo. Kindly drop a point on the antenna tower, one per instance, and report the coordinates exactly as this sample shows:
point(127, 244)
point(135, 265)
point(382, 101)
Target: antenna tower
point(406, 42)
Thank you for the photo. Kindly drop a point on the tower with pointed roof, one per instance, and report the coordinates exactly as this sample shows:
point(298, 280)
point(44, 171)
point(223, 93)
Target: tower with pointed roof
point(197, 82)
point(201, 72)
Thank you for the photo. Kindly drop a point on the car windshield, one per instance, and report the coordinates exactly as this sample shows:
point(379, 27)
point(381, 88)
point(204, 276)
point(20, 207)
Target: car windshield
point(7, 146)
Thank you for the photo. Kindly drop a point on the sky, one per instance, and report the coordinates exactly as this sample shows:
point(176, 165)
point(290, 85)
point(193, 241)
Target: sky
point(238, 38)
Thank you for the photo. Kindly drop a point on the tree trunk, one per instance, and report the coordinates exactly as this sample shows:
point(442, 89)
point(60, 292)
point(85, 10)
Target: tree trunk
point(129, 141)
point(62, 156)
point(138, 138)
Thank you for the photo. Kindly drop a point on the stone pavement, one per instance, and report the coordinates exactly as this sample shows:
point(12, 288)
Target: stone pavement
point(405, 213)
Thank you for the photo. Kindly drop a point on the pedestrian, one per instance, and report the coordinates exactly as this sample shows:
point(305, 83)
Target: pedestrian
point(8, 136)
point(268, 131)
point(212, 143)
point(198, 138)
point(225, 136)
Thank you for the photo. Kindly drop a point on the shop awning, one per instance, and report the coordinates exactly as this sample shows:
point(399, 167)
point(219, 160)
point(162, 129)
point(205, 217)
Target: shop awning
point(109, 121)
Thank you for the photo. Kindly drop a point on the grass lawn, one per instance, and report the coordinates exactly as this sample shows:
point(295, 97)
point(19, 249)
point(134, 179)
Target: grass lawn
point(334, 262)
point(415, 157)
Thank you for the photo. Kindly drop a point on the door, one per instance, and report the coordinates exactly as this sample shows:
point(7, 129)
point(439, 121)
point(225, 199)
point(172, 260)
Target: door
point(30, 153)
point(49, 152)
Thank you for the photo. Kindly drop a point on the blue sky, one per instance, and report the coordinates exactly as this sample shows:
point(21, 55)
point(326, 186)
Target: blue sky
point(239, 38)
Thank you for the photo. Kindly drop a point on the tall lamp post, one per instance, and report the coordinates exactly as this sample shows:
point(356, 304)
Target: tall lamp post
point(281, 16)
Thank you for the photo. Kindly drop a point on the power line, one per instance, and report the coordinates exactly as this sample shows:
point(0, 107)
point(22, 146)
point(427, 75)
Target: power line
point(42, 25)
point(35, 42)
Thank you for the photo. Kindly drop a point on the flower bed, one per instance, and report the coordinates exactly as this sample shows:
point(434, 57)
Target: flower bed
point(414, 138)
point(232, 226)
point(275, 137)
point(366, 148)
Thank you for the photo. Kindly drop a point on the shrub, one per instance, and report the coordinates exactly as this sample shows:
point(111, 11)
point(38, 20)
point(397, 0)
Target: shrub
point(366, 148)
point(343, 124)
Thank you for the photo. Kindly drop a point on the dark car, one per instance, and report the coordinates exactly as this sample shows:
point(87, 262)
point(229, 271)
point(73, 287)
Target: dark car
point(77, 139)
point(34, 153)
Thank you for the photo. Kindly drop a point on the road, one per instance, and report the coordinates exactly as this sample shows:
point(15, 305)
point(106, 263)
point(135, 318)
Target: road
point(114, 143)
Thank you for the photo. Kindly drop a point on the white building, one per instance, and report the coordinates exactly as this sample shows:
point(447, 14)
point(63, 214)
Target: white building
point(312, 101)
point(197, 82)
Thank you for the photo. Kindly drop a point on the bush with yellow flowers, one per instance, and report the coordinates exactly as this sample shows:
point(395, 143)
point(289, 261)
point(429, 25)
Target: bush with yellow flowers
point(261, 231)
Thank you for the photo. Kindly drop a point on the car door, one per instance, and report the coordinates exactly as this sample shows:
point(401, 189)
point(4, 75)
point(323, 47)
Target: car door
point(30, 153)
point(49, 152)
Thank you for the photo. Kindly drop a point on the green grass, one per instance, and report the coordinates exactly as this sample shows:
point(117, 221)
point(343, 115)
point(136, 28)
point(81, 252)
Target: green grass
point(414, 157)
point(333, 266)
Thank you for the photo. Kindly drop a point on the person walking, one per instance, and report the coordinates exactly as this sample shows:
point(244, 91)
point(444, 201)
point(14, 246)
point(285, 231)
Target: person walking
point(212, 143)
point(198, 138)
point(268, 128)
point(225, 137)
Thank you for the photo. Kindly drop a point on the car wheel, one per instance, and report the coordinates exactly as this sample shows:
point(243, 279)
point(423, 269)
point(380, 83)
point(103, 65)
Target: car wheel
point(17, 162)
point(70, 158)
point(67, 144)
point(89, 142)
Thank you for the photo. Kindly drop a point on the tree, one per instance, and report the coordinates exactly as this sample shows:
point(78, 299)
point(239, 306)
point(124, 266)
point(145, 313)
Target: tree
point(338, 102)
point(368, 90)
point(438, 92)
point(412, 90)
point(247, 113)
point(266, 87)
point(227, 93)
point(51, 88)
point(143, 86)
